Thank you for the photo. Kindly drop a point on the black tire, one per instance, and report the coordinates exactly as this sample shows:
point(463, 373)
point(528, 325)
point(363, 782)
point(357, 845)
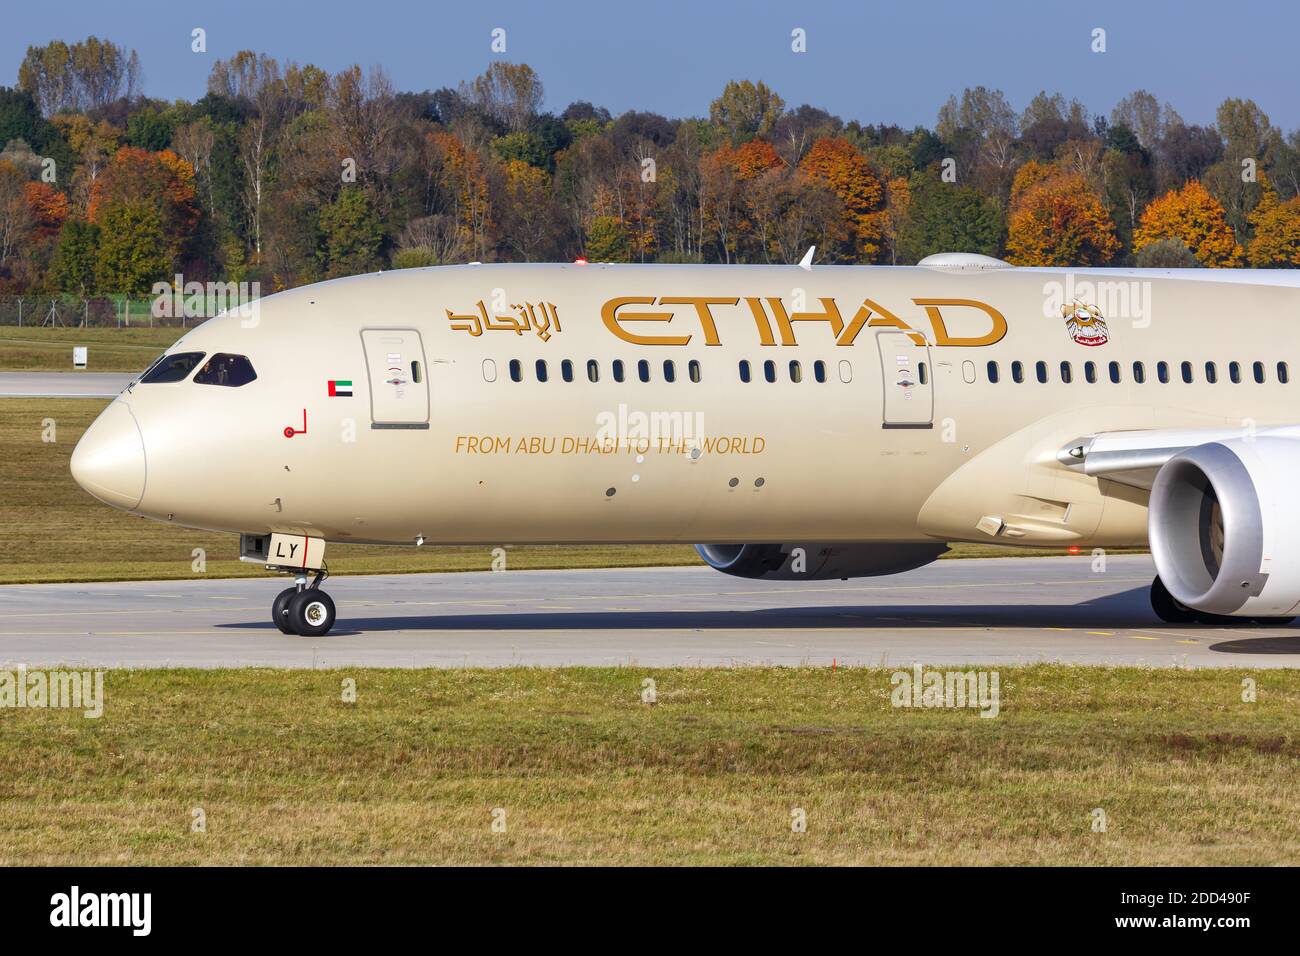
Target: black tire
point(311, 612)
point(1168, 608)
point(280, 610)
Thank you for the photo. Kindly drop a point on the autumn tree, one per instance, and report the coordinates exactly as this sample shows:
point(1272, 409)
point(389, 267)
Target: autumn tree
point(353, 234)
point(1057, 220)
point(1195, 218)
point(1277, 232)
point(75, 257)
point(849, 176)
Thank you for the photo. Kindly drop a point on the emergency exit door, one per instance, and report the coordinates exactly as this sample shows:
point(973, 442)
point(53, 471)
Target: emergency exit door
point(399, 380)
point(908, 381)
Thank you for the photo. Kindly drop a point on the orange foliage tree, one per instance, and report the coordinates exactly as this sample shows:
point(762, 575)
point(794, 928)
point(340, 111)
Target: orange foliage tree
point(1277, 231)
point(1058, 220)
point(1196, 219)
point(835, 162)
point(48, 208)
point(160, 181)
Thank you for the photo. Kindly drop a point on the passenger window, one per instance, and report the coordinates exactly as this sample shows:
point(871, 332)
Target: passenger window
point(819, 371)
point(617, 367)
point(489, 370)
point(1211, 372)
point(796, 373)
point(1258, 369)
point(744, 370)
point(922, 373)
point(229, 370)
point(1040, 371)
point(1139, 372)
point(566, 370)
point(993, 372)
point(1186, 368)
point(1283, 373)
point(693, 371)
point(1162, 372)
point(1090, 372)
point(670, 371)
point(769, 370)
point(1067, 373)
point(1234, 372)
point(541, 370)
point(593, 371)
point(846, 371)
point(1113, 368)
point(1017, 372)
point(643, 370)
point(415, 372)
point(516, 371)
point(171, 368)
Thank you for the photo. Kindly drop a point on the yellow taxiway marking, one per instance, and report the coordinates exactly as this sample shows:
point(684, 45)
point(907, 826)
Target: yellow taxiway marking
point(1139, 637)
point(1103, 633)
point(1187, 642)
point(372, 602)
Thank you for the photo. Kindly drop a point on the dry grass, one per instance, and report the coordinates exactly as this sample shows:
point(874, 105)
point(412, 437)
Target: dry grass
point(288, 773)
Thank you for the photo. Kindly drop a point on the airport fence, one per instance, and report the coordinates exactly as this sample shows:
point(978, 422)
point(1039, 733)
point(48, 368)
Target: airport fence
point(99, 311)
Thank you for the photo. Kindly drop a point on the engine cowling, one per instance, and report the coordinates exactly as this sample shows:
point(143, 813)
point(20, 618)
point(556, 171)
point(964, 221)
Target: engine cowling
point(817, 562)
point(1224, 526)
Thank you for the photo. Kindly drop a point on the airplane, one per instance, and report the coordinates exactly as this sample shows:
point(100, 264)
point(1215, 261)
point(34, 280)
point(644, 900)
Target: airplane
point(797, 422)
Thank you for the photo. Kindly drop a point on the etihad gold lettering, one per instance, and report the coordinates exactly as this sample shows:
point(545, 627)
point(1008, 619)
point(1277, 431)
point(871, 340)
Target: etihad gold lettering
point(941, 336)
point(702, 304)
point(616, 313)
point(830, 313)
point(542, 318)
point(609, 313)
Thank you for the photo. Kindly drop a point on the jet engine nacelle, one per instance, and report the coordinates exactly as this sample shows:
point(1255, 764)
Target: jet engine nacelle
point(1224, 526)
point(815, 562)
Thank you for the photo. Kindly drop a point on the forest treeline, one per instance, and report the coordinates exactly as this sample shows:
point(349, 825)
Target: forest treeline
point(285, 174)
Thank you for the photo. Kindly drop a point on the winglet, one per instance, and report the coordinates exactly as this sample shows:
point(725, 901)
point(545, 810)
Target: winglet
point(806, 262)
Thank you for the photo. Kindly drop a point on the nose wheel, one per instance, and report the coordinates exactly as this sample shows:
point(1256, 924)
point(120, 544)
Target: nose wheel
point(304, 609)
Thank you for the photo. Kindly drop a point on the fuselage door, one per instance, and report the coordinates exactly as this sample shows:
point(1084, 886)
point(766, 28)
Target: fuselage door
point(908, 381)
point(399, 380)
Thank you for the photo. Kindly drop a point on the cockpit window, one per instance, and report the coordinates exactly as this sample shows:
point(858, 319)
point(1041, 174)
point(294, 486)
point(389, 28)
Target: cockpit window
point(223, 369)
point(171, 368)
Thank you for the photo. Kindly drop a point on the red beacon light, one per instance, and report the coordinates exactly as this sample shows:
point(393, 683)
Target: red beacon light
point(579, 261)
point(1072, 549)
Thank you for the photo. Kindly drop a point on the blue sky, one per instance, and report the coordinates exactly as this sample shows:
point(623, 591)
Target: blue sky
point(871, 61)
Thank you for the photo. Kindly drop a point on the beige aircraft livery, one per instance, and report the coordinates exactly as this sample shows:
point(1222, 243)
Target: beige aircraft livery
point(792, 421)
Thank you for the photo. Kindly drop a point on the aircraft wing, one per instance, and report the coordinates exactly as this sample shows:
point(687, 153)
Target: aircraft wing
point(1133, 457)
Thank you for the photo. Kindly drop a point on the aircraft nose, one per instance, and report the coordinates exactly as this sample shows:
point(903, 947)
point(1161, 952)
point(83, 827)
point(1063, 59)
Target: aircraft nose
point(109, 460)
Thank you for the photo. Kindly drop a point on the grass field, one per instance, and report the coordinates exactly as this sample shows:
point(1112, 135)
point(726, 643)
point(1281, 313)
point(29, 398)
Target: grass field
point(110, 349)
point(51, 530)
point(286, 772)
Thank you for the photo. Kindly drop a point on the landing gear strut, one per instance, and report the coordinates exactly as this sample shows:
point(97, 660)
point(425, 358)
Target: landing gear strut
point(1172, 611)
point(304, 609)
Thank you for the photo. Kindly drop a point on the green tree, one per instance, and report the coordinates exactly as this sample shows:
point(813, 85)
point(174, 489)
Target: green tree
point(607, 240)
point(745, 110)
point(75, 257)
point(353, 234)
point(132, 249)
point(945, 217)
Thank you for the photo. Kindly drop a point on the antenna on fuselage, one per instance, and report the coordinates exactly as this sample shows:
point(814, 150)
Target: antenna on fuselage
point(806, 262)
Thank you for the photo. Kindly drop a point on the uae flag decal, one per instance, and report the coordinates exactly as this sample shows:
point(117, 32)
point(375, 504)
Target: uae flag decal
point(340, 388)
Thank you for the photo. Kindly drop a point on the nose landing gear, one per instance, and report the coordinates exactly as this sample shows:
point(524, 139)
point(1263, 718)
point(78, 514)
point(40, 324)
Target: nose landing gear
point(304, 609)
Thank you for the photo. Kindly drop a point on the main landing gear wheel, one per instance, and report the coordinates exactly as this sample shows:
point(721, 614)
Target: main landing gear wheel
point(1167, 607)
point(1172, 611)
point(280, 610)
point(311, 612)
